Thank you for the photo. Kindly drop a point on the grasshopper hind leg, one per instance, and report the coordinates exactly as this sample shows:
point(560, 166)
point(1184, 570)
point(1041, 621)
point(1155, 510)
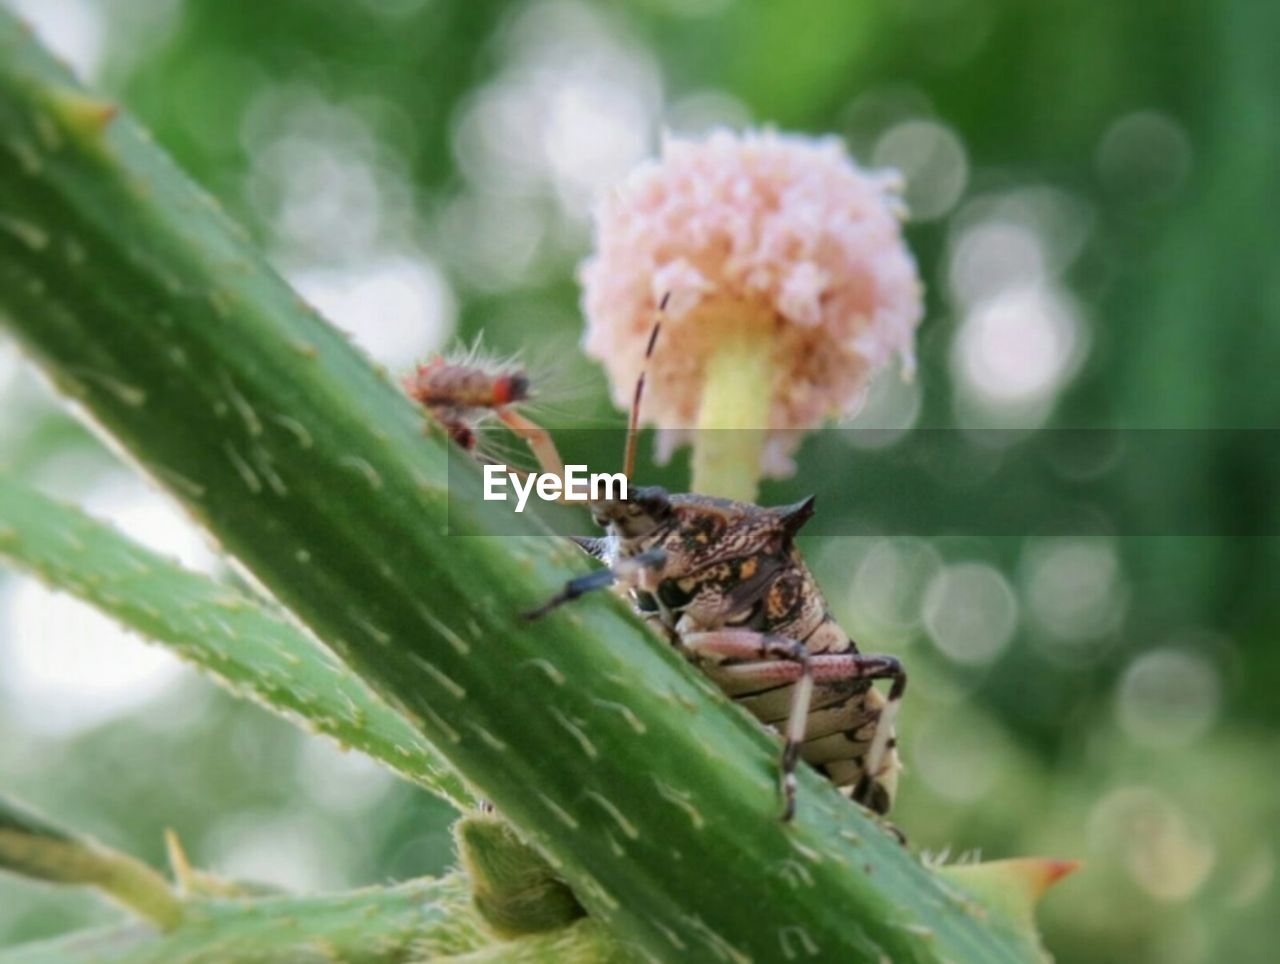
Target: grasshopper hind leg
point(872, 794)
point(767, 659)
point(871, 790)
point(757, 661)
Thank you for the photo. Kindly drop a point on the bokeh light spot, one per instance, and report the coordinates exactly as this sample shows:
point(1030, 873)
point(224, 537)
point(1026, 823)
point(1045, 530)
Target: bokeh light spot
point(67, 668)
point(970, 612)
point(73, 29)
point(1163, 850)
point(1013, 353)
point(396, 306)
point(704, 110)
point(1168, 697)
point(890, 582)
point(958, 762)
point(889, 411)
point(1074, 591)
point(281, 850)
point(933, 162)
point(341, 780)
point(1144, 156)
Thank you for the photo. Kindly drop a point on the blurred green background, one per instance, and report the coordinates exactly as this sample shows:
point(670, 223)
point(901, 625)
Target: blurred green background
point(1096, 212)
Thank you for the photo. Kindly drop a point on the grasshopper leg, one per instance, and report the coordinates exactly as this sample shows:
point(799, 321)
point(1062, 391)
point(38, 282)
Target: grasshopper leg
point(625, 572)
point(776, 657)
point(769, 659)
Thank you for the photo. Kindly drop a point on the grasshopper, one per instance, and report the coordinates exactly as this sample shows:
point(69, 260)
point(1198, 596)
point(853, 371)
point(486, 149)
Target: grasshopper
point(724, 582)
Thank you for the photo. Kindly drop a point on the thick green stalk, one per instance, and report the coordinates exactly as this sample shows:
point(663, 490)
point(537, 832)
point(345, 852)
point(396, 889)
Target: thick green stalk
point(419, 920)
point(412, 923)
point(583, 943)
point(30, 846)
point(247, 646)
point(657, 799)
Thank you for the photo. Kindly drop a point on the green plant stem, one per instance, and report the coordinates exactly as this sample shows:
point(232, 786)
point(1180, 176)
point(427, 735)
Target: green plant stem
point(655, 797)
point(32, 847)
point(418, 920)
point(249, 647)
point(583, 943)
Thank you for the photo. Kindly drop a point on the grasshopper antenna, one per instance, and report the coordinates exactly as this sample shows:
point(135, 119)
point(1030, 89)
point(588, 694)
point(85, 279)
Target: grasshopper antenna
point(633, 422)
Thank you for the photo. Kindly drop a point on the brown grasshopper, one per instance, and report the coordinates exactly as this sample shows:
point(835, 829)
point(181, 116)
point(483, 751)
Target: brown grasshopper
point(725, 583)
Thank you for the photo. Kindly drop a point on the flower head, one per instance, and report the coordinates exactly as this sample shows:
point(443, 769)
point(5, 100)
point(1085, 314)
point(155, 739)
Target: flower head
point(761, 233)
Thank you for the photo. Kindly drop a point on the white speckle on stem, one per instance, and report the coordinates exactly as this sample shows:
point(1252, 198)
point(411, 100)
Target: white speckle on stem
point(460, 645)
point(179, 481)
point(241, 404)
point(452, 735)
point(357, 464)
point(672, 937)
point(262, 459)
point(594, 893)
point(560, 813)
point(376, 633)
point(619, 818)
point(626, 712)
point(31, 235)
point(437, 674)
point(548, 667)
point(493, 742)
point(247, 475)
point(808, 853)
point(577, 733)
point(681, 800)
point(294, 428)
point(723, 950)
point(795, 873)
point(801, 936)
point(128, 394)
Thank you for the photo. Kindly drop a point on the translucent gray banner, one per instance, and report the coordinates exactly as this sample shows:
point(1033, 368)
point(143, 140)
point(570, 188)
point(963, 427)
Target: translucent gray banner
point(948, 482)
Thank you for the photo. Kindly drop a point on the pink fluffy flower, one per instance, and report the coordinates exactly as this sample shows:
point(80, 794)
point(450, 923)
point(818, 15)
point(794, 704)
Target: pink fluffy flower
point(765, 232)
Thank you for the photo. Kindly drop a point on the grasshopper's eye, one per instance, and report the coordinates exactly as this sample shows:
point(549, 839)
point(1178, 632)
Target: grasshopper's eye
point(673, 595)
point(653, 501)
point(645, 601)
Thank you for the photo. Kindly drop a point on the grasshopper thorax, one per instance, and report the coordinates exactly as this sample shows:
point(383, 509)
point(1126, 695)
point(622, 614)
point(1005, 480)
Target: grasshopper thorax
point(694, 531)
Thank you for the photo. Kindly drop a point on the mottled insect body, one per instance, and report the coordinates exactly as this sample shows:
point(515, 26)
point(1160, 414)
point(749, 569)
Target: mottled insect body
point(726, 584)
